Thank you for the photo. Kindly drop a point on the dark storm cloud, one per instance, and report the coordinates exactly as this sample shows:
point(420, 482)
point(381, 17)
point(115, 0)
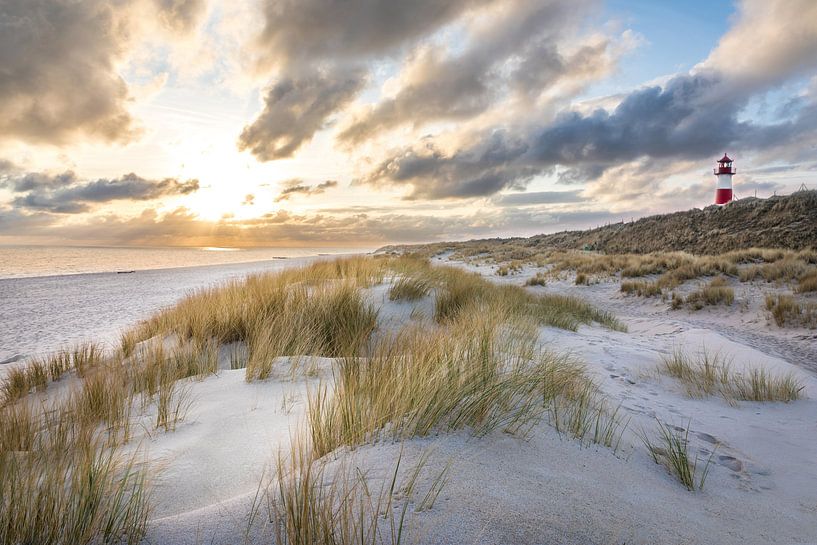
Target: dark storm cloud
point(484, 169)
point(58, 65)
point(297, 186)
point(66, 194)
point(681, 120)
point(296, 108)
point(690, 117)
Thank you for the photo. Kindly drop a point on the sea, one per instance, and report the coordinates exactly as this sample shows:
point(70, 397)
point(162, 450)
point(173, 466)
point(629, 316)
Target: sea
point(54, 297)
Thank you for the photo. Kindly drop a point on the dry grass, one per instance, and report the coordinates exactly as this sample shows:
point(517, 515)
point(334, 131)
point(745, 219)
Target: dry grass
point(60, 482)
point(787, 311)
point(409, 288)
point(671, 449)
point(458, 290)
point(707, 373)
point(37, 373)
point(310, 502)
point(642, 289)
point(717, 292)
point(539, 279)
point(807, 282)
point(475, 367)
point(672, 269)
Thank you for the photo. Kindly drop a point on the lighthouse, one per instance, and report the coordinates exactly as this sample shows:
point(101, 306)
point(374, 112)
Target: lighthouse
point(723, 173)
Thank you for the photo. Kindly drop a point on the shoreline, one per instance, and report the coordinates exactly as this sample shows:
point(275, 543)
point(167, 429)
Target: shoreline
point(45, 313)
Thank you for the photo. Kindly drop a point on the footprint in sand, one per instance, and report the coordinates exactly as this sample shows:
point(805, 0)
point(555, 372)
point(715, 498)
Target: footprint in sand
point(730, 462)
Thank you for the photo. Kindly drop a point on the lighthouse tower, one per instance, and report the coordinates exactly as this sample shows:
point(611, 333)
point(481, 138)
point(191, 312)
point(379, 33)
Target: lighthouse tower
point(723, 173)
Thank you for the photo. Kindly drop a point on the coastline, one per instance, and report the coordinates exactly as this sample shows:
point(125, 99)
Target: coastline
point(45, 313)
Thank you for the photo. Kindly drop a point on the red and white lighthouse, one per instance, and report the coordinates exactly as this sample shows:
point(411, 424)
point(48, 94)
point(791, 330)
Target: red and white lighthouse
point(723, 173)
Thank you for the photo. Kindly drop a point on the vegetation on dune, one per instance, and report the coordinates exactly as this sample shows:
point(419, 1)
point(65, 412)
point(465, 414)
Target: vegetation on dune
point(409, 288)
point(786, 310)
point(784, 221)
point(670, 448)
point(706, 373)
point(475, 367)
point(717, 292)
point(642, 289)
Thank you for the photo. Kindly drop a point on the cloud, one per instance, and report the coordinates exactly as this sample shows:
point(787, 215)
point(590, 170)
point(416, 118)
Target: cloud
point(295, 109)
point(538, 197)
point(319, 51)
point(59, 65)
point(249, 200)
point(65, 194)
point(180, 15)
point(182, 227)
point(58, 76)
point(298, 32)
point(689, 117)
point(770, 40)
point(518, 55)
point(485, 168)
point(297, 186)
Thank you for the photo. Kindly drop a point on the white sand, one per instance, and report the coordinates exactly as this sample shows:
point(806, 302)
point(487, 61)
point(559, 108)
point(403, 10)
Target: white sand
point(548, 489)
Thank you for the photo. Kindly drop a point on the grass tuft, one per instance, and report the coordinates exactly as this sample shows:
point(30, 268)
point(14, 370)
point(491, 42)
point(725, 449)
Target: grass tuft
point(711, 373)
point(409, 289)
point(671, 449)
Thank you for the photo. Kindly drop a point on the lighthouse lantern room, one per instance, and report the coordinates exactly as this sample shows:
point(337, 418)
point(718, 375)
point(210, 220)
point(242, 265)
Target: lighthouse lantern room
point(723, 173)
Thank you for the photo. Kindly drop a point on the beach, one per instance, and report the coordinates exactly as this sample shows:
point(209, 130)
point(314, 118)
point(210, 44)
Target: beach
point(44, 312)
point(214, 475)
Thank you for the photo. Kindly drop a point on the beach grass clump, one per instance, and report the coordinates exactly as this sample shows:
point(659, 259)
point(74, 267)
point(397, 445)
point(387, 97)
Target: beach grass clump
point(229, 312)
point(582, 412)
point(38, 372)
point(409, 288)
point(807, 282)
point(670, 448)
point(787, 311)
point(424, 378)
point(582, 279)
point(641, 288)
point(539, 279)
point(172, 403)
point(312, 501)
point(717, 292)
point(458, 290)
point(707, 373)
point(332, 320)
point(61, 482)
point(479, 371)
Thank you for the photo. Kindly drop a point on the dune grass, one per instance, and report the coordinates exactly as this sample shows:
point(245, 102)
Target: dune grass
point(38, 372)
point(641, 288)
point(707, 373)
point(407, 288)
point(670, 448)
point(787, 311)
point(312, 501)
point(539, 279)
point(61, 483)
point(717, 292)
point(475, 367)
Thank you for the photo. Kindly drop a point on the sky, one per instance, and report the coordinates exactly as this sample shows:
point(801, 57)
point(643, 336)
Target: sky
point(367, 122)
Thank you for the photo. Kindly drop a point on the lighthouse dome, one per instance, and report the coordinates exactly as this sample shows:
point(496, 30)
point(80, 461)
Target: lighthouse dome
point(725, 159)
